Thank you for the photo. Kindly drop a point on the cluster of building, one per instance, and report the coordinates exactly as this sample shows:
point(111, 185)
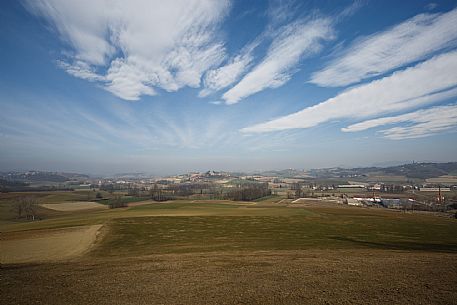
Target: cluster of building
point(357, 193)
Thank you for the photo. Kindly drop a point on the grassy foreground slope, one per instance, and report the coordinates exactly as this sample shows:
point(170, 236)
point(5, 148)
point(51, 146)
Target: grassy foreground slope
point(224, 252)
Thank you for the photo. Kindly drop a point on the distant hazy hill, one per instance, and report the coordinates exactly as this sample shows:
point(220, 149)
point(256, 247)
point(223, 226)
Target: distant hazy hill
point(40, 176)
point(285, 173)
point(413, 171)
point(130, 175)
point(423, 170)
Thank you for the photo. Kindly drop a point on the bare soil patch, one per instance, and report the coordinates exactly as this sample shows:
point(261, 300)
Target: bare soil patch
point(74, 206)
point(46, 245)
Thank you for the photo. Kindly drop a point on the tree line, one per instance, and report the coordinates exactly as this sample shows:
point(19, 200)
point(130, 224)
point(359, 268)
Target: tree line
point(248, 192)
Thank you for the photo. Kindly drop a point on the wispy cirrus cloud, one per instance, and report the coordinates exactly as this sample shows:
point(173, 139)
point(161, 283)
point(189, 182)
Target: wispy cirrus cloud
point(134, 47)
point(80, 69)
point(422, 115)
point(422, 123)
point(226, 75)
point(428, 82)
point(293, 42)
point(407, 42)
point(431, 6)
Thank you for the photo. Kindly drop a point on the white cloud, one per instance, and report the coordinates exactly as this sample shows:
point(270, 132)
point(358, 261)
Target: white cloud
point(295, 41)
point(282, 11)
point(141, 44)
point(83, 24)
point(431, 6)
point(427, 82)
point(412, 40)
point(421, 123)
point(127, 80)
point(417, 116)
point(351, 9)
point(80, 69)
point(224, 76)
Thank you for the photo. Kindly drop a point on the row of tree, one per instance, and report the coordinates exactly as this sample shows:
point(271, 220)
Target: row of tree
point(249, 192)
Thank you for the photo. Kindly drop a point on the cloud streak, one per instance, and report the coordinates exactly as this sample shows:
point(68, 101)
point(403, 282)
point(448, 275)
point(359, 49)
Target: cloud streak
point(425, 83)
point(297, 40)
point(422, 123)
point(226, 75)
point(407, 42)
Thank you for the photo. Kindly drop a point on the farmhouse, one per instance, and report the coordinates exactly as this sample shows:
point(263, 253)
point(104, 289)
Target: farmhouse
point(347, 186)
point(354, 202)
point(434, 189)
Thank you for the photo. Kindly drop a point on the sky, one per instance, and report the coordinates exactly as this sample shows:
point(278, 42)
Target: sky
point(165, 87)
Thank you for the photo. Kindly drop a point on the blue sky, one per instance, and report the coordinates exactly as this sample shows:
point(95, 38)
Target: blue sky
point(165, 87)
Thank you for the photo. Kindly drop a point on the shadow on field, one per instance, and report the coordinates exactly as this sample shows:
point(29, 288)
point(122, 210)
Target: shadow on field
point(406, 246)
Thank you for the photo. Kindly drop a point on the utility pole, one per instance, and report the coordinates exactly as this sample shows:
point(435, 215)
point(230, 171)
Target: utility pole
point(439, 195)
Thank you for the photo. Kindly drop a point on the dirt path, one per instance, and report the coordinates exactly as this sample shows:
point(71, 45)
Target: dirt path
point(46, 245)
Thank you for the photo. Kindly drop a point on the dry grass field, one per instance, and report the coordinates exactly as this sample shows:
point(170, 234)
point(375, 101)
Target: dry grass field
point(46, 245)
point(443, 179)
point(265, 277)
point(222, 252)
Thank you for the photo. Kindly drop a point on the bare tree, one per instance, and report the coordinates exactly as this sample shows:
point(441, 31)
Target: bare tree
point(117, 202)
point(18, 208)
point(26, 207)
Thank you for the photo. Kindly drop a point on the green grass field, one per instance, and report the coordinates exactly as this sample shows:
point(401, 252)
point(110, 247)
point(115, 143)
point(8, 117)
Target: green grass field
point(327, 229)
